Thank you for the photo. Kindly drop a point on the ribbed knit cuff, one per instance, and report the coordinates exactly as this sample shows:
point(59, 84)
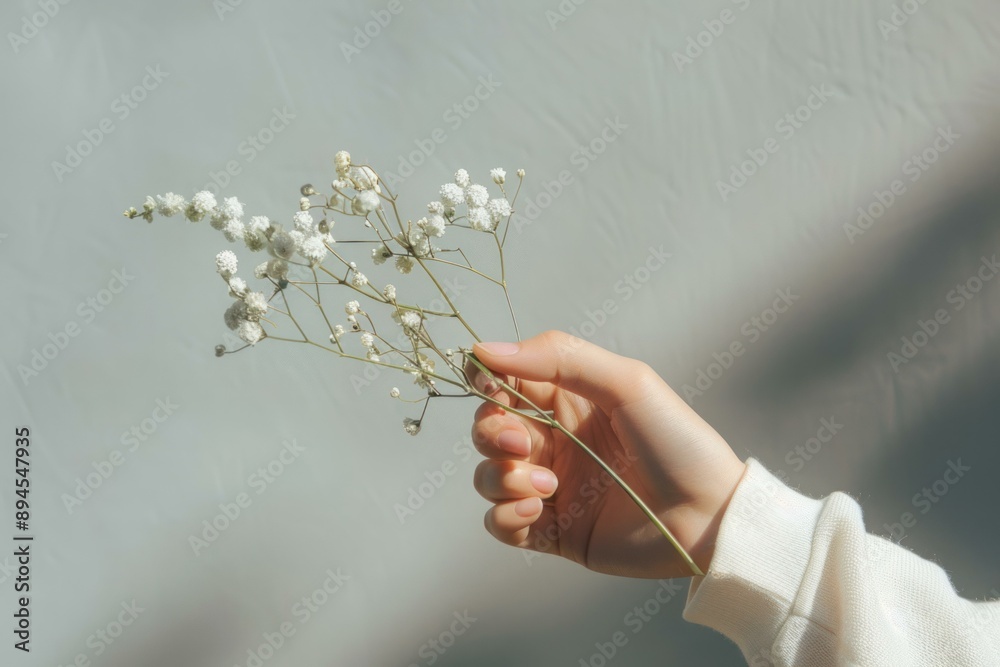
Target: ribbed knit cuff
point(761, 554)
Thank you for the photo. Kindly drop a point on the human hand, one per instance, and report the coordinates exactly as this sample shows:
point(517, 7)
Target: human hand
point(683, 470)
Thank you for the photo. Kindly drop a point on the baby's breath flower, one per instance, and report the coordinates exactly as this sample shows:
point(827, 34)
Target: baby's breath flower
point(435, 208)
point(256, 305)
point(418, 242)
point(277, 269)
point(282, 244)
point(236, 313)
point(498, 175)
point(226, 263)
point(229, 209)
point(359, 280)
point(410, 319)
point(234, 230)
point(338, 330)
point(451, 195)
point(411, 426)
point(260, 271)
point(169, 204)
point(462, 178)
point(404, 264)
point(432, 225)
point(249, 331)
point(303, 222)
point(304, 203)
point(237, 287)
point(373, 356)
point(340, 184)
point(479, 219)
point(367, 339)
point(476, 195)
point(394, 392)
point(201, 205)
point(365, 202)
point(520, 173)
point(364, 178)
point(352, 307)
point(380, 254)
point(498, 209)
point(313, 249)
point(390, 292)
point(255, 234)
point(342, 162)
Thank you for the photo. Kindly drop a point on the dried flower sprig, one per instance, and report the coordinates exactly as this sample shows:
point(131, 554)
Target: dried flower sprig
point(305, 260)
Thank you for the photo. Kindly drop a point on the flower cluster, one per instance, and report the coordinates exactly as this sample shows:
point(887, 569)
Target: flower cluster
point(303, 255)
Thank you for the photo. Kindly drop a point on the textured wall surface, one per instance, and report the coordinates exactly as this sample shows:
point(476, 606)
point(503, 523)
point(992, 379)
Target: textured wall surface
point(844, 154)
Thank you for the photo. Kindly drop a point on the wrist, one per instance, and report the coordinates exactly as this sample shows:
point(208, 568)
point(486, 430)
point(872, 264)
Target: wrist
point(702, 518)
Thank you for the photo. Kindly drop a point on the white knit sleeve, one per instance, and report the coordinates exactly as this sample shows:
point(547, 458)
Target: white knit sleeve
point(798, 581)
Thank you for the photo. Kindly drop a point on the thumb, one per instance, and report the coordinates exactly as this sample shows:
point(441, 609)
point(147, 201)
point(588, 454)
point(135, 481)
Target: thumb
point(570, 363)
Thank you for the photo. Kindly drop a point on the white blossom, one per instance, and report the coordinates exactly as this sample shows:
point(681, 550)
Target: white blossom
point(432, 225)
point(359, 280)
point(380, 254)
point(313, 249)
point(256, 305)
point(303, 222)
point(394, 392)
point(373, 356)
point(236, 313)
point(520, 173)
point(390, 292)
point(364, 178)
point(237, 287)
point(451, 195)
point(435, 208)
point(260, 271)
point(498, 175)
point(201, 205)
point(226, 263)
point(249, 331)
point(282, 244)
point(277, 269)
point(476, 195)
point(367, 339)
point(404, 264)
point(410, 319)
point(234, 230)
point(462, 178)
point(338, 330)
point(342, 162)
point(365, 202)
point(498, 209)
point(169, 204)
point(229, 209)
point(479, 219)
point(352, 307)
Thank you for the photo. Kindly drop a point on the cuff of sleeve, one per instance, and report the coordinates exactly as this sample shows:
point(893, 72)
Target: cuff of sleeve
point(760, 558)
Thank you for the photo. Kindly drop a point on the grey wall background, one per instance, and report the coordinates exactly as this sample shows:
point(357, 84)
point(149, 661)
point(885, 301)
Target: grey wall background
point(228, 66)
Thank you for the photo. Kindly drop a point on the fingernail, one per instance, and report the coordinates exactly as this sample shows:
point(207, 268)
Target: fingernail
point(528, 507)
point(515, 442)
point(543, 480)
point(500, 349)
point(484, 384)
